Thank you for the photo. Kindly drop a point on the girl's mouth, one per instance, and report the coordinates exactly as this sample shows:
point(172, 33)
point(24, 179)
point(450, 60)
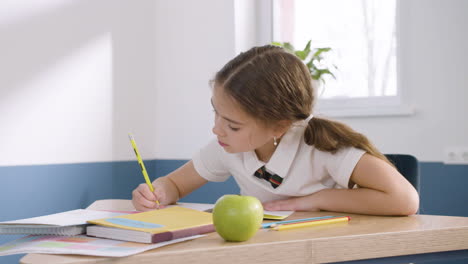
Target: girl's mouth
point(222, 144)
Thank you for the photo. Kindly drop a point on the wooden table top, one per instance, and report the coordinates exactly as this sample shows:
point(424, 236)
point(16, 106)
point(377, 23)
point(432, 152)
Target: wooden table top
point(363, 237)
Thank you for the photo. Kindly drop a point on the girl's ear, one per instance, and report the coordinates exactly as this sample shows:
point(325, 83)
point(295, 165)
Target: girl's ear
point(282, 127)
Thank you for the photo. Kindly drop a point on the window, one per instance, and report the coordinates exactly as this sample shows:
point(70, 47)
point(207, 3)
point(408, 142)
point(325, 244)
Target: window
point(363, 37)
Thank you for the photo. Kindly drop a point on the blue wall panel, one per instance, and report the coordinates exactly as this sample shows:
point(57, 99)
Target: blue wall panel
point(129, 176)
point(208, 193)
point(444, 189)
point(27, 191)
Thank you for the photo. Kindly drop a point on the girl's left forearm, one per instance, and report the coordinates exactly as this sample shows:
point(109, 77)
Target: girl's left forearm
point(360, 201)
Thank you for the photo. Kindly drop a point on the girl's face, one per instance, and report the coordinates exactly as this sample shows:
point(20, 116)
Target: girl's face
point(236, 130)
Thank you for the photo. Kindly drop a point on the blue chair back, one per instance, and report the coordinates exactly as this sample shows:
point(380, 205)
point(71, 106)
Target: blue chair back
point(408, 166)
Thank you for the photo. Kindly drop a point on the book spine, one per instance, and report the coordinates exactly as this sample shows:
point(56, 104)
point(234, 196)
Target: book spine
point(166, 236)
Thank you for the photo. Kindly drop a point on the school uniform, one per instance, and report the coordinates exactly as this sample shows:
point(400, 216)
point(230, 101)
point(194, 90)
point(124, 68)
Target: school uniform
point(299, 169)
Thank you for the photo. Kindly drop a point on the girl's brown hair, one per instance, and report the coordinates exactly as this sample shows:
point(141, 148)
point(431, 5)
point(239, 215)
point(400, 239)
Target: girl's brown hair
point(271, 85)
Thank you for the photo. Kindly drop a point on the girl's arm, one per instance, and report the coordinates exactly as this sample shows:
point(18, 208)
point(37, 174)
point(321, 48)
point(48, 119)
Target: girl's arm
point(168, 189)
point(382, 191)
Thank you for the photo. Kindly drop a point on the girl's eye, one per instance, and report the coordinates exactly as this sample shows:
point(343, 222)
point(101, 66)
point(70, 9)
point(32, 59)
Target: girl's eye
point(233, 128)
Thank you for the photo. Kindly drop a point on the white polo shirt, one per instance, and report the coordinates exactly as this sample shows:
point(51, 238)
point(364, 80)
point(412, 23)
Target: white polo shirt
point(304, 169)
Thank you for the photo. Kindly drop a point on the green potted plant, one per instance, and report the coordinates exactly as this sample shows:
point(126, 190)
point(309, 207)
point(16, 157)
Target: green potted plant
point(312, 59)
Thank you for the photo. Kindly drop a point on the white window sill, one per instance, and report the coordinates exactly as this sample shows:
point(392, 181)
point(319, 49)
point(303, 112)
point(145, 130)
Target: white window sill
point(365, 111)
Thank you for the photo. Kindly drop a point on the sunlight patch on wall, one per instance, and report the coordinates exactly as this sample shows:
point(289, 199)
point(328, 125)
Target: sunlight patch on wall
point(64, 114)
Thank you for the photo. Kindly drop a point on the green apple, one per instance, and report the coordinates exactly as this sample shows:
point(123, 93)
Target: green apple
point(237, 217)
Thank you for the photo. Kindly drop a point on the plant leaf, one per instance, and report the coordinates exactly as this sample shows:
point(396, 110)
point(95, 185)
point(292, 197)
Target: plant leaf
point(307, 47)
point(289, 47)
point(325, 71)
point(319, 51)
point(301, 54)
point(315, 76)
point(312, 63)
point(274, 43)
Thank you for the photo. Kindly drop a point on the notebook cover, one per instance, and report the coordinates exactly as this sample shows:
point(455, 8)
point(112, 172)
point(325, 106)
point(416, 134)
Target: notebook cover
point(164, 224)
point(166, 236)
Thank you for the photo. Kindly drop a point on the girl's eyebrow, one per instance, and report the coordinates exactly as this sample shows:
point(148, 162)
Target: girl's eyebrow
point(228, 119)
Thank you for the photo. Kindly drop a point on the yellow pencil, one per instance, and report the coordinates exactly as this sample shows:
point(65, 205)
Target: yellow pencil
point(312, 223)
point(142, 165)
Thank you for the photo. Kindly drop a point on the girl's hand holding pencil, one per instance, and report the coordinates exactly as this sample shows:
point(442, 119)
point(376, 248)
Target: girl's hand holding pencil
point(144, 199)
point(148, 196)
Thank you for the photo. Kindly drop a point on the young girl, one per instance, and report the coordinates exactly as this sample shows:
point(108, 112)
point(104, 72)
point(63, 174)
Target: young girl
point(277, 151)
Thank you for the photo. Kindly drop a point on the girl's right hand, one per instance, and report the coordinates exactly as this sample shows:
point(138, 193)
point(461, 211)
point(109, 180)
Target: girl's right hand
point(144, 200)
point(167, 189)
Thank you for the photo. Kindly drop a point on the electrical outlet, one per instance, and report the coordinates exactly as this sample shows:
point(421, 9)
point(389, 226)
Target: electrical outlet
point(456, 155)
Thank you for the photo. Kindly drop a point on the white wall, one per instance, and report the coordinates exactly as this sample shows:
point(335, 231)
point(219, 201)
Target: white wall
point(194, 40)
point(76, 76)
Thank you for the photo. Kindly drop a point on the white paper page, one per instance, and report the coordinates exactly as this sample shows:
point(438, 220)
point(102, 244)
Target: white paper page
point(68, 218)
point(206, 207)
point(195, 206)
point(278, 213)
point(81, 245)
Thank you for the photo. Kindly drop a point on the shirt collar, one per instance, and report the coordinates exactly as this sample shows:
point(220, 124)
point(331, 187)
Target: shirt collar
point(284, 155)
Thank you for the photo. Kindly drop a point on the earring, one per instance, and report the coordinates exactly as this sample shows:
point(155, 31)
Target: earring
point(275, 142)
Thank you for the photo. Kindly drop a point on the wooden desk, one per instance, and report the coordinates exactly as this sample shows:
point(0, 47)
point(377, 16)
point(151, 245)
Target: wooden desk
point(364, 237)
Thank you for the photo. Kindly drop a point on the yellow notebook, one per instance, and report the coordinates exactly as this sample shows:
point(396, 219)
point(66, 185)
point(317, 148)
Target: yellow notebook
point(153, 226)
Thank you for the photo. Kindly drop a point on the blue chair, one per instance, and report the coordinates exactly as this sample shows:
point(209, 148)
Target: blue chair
point(408, 166)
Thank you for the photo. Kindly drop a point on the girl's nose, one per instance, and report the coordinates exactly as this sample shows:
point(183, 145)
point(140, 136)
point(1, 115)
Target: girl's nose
point(217, 129)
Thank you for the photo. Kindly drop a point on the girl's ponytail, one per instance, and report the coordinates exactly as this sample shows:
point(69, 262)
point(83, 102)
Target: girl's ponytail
point(331, 136)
